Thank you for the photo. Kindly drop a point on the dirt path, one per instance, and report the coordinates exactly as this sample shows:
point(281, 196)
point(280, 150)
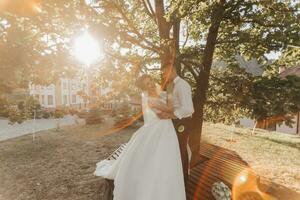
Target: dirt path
point(57, 165)
point(8, 131)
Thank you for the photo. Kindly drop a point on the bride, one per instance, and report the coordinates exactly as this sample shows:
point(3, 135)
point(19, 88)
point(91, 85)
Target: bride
point(149, 168)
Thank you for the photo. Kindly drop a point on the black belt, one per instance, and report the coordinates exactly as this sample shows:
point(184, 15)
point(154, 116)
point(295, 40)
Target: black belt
point(182, 125)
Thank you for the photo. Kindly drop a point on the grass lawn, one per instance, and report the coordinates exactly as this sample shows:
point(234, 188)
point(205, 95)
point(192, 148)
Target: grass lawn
point(57, 165)
point(274, 156)
point(60, 165)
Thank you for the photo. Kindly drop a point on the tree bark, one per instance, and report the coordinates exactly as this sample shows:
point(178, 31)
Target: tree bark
point(203, 78)
point(164, 28)
point(176, 37)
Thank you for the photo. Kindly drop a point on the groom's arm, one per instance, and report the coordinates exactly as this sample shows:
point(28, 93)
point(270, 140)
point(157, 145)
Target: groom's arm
point(166, 115)
point(186, 108)
point(163, 107)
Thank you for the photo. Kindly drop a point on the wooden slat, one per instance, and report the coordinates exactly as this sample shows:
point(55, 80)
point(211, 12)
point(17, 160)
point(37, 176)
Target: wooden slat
point(225, 165)
point(117, 152)
point(221, 165)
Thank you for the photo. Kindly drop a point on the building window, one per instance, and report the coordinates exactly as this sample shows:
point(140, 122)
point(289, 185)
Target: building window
point(43, 100)
point(73, 98)
point(50, 100)
point(65, 100)
point(73, 86)
point(64, 85)
point(37, 97)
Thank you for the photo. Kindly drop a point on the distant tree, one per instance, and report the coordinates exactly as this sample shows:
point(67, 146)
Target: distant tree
point(275, 97)
point(58, 114)
point(235, 93)
point(228, 95)
point(290, 57)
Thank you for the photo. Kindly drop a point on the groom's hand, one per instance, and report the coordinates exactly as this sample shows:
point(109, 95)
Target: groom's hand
point(164, 115)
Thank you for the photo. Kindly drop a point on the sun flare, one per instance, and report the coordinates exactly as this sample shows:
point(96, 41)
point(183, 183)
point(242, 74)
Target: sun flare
point(87, 49)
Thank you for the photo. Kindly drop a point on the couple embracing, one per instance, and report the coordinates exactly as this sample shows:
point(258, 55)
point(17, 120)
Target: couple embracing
point(155, 163)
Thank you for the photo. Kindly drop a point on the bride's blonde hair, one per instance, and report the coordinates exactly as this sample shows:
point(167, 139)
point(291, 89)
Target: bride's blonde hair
point(140, 82)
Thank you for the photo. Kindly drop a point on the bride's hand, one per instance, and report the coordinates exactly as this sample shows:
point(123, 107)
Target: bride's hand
point(152, 104)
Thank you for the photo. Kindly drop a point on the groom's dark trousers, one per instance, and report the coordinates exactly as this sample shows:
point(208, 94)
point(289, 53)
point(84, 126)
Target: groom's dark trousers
point(182, 129)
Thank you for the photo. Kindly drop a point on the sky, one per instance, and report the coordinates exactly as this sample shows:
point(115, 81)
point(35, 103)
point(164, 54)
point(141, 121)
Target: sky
point(273, 55)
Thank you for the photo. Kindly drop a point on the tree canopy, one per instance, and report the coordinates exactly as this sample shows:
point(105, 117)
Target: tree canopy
point(142, 35)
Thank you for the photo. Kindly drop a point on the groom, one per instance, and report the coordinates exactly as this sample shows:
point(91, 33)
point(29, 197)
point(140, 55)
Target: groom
point(183, 110)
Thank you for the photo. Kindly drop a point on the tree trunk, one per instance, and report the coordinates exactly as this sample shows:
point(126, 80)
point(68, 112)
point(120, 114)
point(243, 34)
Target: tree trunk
point(203, 80)
point(176, 35)
point(164, 28)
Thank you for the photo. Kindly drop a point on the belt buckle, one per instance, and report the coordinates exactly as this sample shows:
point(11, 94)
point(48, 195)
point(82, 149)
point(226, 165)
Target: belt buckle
point(180, 129)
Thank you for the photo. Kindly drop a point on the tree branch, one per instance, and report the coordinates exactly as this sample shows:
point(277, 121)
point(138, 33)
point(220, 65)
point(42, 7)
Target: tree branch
point(263, 23)
point(133, 28)
point(149, 9)
point(190, 68)
point(138, 60)
point(134, 40)
point(187, 36)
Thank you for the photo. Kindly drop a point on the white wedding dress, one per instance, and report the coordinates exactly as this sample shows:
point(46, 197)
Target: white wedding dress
point(149, 168)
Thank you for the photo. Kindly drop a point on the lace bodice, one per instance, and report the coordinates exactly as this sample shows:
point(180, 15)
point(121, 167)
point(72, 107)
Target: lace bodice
point(148, 113)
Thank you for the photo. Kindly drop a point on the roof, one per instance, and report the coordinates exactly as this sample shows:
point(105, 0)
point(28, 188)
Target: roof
point(292, 71)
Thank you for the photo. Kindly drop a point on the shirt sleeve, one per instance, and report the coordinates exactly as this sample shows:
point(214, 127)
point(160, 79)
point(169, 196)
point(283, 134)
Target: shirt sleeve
point(184, 95)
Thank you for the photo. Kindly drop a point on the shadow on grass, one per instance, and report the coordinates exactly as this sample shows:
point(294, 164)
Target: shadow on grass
point(295, 145)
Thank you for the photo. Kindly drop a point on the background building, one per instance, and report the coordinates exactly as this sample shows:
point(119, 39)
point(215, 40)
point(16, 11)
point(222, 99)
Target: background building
point(64, 93)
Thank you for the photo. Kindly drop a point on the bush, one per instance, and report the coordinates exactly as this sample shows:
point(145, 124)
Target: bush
point(59, 113)
point(73, 111)
point(15, 115)
point(46, 114)
point(29, 107)
point(4, 111)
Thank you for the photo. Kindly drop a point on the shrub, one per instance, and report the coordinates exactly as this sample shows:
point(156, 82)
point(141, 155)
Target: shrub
point(15, 115)
point(59, 113)
point(24, 110)
point(29, 107)
point(4, 112)
point(73, 111)
point(46, 114)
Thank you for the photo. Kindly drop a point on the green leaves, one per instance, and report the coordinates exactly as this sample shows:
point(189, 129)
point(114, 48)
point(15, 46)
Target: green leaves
point(275, 97)
point(228, 94)
point(234, 94)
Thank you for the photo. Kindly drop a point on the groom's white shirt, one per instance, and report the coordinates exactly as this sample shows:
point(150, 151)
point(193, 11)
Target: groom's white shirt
point(182, 98)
